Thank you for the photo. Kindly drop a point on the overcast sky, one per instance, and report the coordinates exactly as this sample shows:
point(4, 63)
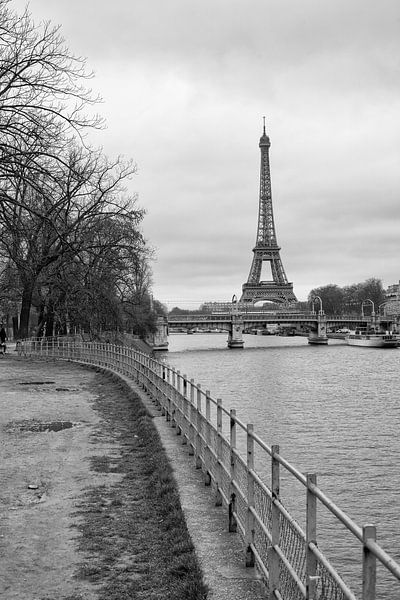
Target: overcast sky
point(185, 85)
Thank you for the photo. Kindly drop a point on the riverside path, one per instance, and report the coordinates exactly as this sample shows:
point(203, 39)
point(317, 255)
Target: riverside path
point(52, 432)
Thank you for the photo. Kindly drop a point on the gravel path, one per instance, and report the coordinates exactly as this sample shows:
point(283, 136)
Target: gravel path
point(43, 473)
point(49, 432)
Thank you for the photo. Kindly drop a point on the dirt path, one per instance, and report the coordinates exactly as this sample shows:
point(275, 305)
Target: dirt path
point(89, 503)
point(43, 473)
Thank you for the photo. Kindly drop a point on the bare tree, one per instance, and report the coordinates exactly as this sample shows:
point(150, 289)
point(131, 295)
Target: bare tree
point(67, 226)
point(97, 290)
point(43, 93)
point(39, 76)
point(66, 215)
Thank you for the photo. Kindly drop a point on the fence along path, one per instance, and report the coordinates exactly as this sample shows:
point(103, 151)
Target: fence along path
point(288, 557)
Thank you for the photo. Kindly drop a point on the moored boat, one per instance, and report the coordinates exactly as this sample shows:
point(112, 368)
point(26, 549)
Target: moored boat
point(372, 339)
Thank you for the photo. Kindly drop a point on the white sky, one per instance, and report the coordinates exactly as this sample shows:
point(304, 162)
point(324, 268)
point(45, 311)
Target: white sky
point(185, 85)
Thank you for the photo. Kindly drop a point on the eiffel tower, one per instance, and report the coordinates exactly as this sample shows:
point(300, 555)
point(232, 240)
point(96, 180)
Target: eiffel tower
point(277, 290)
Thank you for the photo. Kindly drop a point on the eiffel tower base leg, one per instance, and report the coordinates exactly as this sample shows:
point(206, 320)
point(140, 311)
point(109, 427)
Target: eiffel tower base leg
point(235, 333)
point(318, 336)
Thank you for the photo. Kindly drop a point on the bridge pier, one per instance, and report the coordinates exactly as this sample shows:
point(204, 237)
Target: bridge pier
point(318, 336)
point(236, 326)
point(159, 339)
point(235, 333)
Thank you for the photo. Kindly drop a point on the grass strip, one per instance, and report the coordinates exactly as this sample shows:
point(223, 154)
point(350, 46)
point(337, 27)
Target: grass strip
point(133, 533)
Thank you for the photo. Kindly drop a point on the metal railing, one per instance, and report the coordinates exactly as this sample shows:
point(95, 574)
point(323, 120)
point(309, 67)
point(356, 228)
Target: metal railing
point(225, 448)
point(264, 316)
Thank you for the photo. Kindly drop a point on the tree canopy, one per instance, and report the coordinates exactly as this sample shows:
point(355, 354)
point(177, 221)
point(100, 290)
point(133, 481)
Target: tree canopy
point(348, 299)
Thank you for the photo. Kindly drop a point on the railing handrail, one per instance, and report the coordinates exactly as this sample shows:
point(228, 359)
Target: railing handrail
point(254, 317)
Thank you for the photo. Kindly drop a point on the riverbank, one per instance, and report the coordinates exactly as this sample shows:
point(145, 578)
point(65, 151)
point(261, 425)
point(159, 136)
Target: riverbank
point(89, 507)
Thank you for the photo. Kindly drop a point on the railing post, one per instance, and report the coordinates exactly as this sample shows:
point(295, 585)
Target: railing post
point(198, 428)
point(273, 557)
point(185, 410)
point(218, 497)
point(249, 534)
point(207, 455)
point(369, 564)
point(164, 390)
point(191, 426)
point(178, 404)
point(123, 360)
point(170, 387)
point(147, 387)
point(232, 502)
point(311, 537)
point(175, 380)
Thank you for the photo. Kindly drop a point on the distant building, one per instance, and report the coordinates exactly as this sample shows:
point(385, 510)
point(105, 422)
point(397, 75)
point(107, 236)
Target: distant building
point(392, 306)
point(216, 307)
point(226, 307)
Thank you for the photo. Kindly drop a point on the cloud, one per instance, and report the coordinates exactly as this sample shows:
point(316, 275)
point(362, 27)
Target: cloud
point(185, 85)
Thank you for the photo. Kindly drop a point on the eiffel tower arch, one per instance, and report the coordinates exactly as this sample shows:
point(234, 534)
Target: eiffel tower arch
point(279, 289)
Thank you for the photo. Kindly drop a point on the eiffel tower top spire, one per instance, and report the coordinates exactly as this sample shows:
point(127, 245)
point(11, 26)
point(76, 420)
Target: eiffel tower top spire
point(264, 139)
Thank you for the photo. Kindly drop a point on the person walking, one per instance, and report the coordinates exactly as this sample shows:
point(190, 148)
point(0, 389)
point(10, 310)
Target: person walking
point(3, 337)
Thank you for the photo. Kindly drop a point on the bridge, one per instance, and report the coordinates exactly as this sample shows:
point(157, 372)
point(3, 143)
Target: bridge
point(258, 320)
point(315, 325)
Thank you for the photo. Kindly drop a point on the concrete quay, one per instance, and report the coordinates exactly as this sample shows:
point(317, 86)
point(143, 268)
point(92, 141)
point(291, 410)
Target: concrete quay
point(47, 424)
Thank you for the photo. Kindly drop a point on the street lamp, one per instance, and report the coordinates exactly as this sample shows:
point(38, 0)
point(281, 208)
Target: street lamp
point(313, 299)
point(362, 307)
point(234, 304)
point(384, 310)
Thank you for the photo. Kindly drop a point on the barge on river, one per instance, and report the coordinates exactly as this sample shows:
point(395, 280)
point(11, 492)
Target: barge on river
point(372, 339)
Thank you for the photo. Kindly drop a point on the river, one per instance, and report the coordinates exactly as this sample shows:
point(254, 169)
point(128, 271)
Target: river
point(334, 410)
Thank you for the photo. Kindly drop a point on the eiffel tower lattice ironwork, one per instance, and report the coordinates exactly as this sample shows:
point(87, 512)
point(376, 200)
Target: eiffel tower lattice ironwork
point(278, 290)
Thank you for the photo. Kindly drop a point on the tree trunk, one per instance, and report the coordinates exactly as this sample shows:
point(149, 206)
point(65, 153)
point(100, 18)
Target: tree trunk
point(25, 311)
point(15, 326)
point(49, 332)
point(41, 321)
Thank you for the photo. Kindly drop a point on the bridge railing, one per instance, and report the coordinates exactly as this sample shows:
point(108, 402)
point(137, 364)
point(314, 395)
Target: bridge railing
point(264, 315)
point(233, 458)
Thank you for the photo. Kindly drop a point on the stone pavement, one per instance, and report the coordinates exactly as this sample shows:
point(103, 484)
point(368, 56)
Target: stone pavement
point(41, 477)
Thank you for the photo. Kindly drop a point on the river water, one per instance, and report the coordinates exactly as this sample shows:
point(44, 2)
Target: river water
point(334, 410)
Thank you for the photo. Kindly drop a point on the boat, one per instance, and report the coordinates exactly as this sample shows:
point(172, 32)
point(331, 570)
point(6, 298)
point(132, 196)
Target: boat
point(372, 339)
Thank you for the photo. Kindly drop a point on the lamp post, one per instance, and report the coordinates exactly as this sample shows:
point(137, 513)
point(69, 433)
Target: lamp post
point(235, 339)
point(234, 304)
point(373, 307)
point(384, 311)
point(314, 298)
point(317, 334)
point(373, 319)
